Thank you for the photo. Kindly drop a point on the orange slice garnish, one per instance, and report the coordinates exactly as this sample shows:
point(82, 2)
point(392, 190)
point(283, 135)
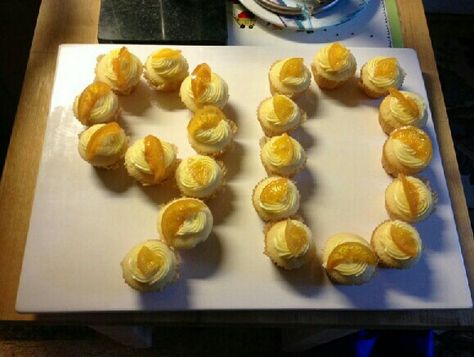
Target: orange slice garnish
point(416, 139)
point(386, 68)
point(88, 98)
point(148, 262)
point(199, 171)
point(404, 240)
point(155, 157)
point(205, 118)
point(121, 66)
point(292, 67)
point(97, 137)
point(175, 215)
point(166, 53)
point(275, 192)
point(200, 80)
point(350, 253)
point(283, 148)
point(411, 194)
point(296, 238)
point(283, 107)
point(408, 103)
point(337, 54)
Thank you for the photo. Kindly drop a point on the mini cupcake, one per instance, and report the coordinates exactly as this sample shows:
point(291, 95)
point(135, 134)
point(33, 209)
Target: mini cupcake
point(409, 199)
point(279, 114)
point(288, 244)
point(166, 69)
point(408, 150)
point(103, 145)
point(96, 104)
point(200, 176)
point(184, 223)
point(397, 244)
point(276, 198)
point(349, 259)
point(283, 156)
point(402, 108)
point(120, 69)
point(210, 132)
point(289, 77)
point(379, 74)
point(150, 266)
point(203, 87)
point(151, 160)
point(333, 65)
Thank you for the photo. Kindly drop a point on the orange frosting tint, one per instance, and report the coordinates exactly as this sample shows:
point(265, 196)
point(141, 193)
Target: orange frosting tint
point(200, 80)
point(176, 214)
point(148, 262)
point(205, 118)
point(97, 137)
point(88, 98)
point(337, 54)
point(293, 67)
point(404, 240)
point(411, 194)
point(408, 103)
point(386, 68)
point(275, 192)
point(155, 157)
point(283, 107)
point(283, 148)
point(166, 53)
point(296, 237)
point(121, 65)
point(416, 139)
point(350, 253)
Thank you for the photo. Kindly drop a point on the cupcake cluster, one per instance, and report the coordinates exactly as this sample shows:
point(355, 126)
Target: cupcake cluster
point(185, 221)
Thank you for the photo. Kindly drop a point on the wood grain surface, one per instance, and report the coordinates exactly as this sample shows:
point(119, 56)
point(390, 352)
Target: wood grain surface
point(75, 21)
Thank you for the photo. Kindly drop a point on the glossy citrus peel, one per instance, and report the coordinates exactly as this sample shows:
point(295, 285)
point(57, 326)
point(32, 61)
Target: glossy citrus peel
point(176, 214)
point(275, 192)
point(155, 157)
point(200, 171)
point(283, 107)
point(200, 80)
point(205, 118)
point(411, 194)
point(386, 68)
point(408, 103)
point(97, 137)
point(404, 240)
point(148, 262)
point(337, 56)
point(296, 238)
point(417, 140)
point(292, 67)
point(166, 53)
point(88, 98)
point(121, 65)
point(283, 148)
point(350, 253)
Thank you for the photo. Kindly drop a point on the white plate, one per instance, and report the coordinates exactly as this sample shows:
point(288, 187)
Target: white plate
point(342, 12)
point(85, 220)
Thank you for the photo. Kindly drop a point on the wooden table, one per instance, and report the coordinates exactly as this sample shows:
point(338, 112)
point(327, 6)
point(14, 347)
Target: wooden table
point(75, 21)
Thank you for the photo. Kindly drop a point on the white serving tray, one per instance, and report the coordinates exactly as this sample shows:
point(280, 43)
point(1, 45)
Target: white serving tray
point(84, 220)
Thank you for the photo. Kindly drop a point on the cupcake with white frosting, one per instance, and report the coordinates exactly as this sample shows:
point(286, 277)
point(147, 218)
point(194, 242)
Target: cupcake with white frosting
point(96, 104)
point(282, 155)
point(279, 114)
point(150, 266)
point(120, 69)
point(166, 69)
point(185, 222)
point(289, 77)
point(379, 74)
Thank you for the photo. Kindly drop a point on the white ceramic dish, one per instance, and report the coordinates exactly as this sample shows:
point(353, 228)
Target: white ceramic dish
point(85, 220)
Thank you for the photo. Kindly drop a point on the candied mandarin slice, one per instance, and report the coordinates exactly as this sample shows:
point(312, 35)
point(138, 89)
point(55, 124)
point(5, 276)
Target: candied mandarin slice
point(296, 238)
point(275, 192)
point(337, 55)
point(417, 140)
point(176, 214)
point(200, 79)
point(386, 68)
point(166, 53)
point(88, 98)
point(155, 157)
point(121, 66)
point(148, 262)
point(283, 107)
point(205, 118)
point(292, 67)
point(411, 194)
point(408, 103)
point(96, 138)
point(350, 253)
point(283, 148)
point(404, 240)
point(200, 171)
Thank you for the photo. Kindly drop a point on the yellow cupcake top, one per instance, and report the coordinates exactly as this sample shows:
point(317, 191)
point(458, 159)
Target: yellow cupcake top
point(96, 104)
point(384, 72)
point(291, 238)
point(411, 146)
point(280, 113)
point(335, 62)
point(401, 240)
point(277, 195)
point(166, 65)
point(290, 75)
point(283, 154)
